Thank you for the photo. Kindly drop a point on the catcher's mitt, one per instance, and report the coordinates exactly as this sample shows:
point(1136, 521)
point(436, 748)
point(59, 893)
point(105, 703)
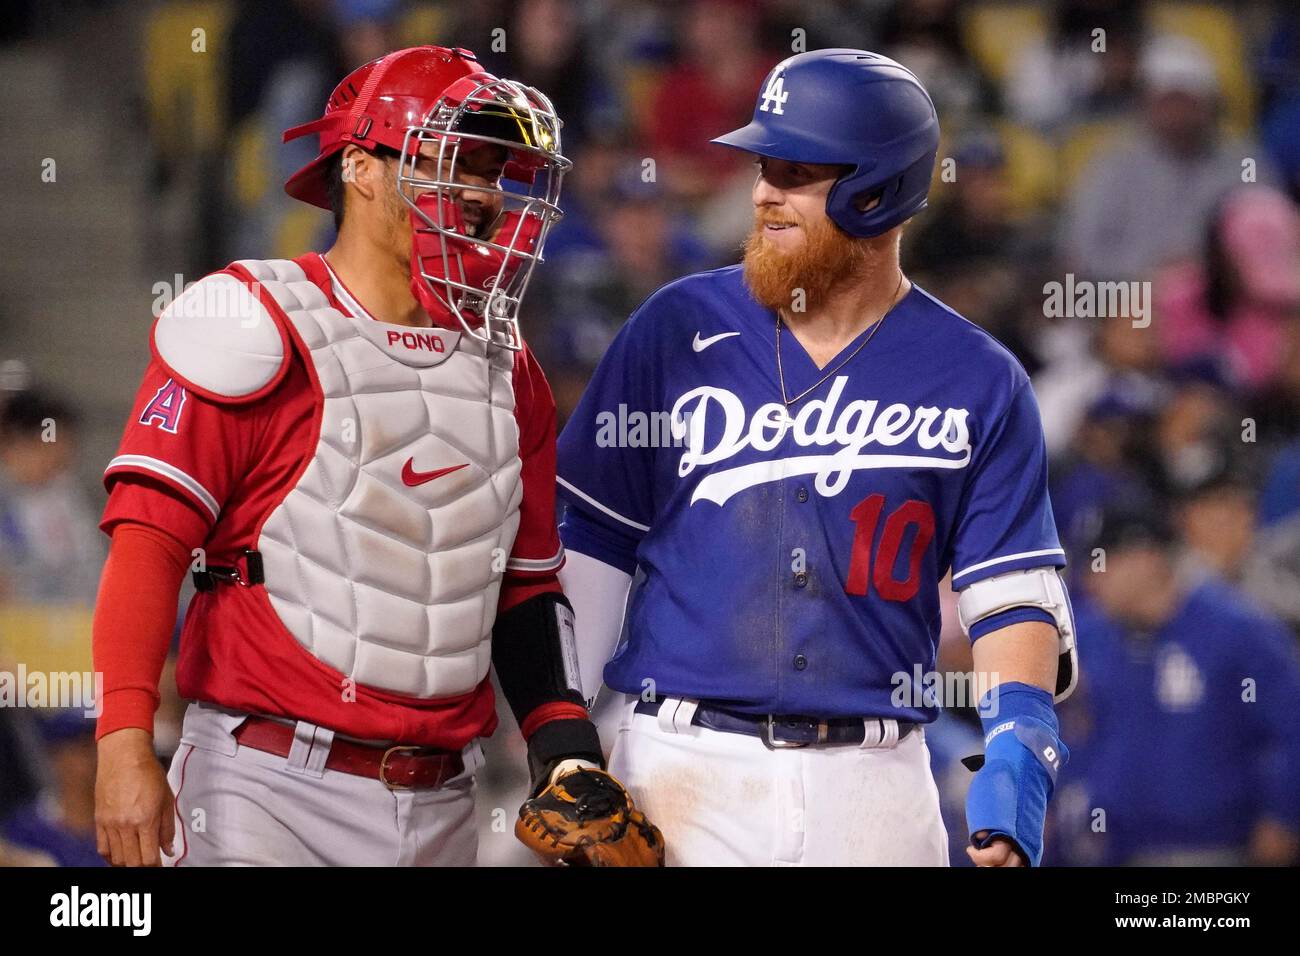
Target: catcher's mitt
point(586, 818)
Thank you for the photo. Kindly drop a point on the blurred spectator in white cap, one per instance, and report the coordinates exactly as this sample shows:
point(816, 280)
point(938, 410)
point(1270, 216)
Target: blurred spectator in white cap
point(1148, 198)
point(1236, 300)
point(1178, 64)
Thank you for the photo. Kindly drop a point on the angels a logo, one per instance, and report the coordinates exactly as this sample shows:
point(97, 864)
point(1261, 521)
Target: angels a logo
point(820, 423)
point(165, 407)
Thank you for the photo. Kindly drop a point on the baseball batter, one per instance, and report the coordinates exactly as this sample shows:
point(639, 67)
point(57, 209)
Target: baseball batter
point(354, 454)
point(789, 455)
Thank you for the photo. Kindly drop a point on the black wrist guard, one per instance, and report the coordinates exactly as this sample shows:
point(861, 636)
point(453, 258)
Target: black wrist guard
point(534, 654)
point(536, 662)
point(564, 739)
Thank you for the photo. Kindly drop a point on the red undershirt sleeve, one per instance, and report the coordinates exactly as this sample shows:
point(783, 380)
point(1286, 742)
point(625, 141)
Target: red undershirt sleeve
point(134, 618)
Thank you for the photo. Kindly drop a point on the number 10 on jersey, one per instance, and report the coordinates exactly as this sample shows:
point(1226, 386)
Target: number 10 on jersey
point(867, 570)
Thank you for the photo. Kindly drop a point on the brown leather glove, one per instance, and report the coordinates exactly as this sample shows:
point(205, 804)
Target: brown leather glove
point(586, 818)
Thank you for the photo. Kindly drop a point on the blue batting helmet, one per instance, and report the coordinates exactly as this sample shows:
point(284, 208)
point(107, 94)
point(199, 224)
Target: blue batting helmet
point(854, 108)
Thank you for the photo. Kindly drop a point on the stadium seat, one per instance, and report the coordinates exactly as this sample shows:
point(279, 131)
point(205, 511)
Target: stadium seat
point(640, 81)
point(47, 638)
point(995, 34)
point(183, 87)
point(423, 23)
point(1033, 167)
point(250, 176)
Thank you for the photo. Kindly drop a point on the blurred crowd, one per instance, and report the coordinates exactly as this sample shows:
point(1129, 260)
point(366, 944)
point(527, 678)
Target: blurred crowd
point(1151, 144)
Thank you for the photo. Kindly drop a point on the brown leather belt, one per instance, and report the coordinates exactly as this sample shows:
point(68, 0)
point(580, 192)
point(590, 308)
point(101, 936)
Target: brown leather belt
point(397, 768)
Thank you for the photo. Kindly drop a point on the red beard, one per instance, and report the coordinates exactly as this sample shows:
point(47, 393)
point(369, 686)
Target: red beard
point(826, 258)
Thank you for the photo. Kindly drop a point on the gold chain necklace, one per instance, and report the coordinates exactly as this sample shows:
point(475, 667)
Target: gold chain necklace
point(780, 372)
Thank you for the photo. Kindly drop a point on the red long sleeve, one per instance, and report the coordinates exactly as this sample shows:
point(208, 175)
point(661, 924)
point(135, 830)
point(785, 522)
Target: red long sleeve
point(517, 590)
point(134, 617)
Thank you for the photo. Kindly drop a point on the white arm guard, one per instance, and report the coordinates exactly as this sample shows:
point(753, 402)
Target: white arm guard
point(1035, 587)
point(598, 594)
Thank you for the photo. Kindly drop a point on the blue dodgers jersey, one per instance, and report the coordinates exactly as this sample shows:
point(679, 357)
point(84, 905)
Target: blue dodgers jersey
point(792, 560)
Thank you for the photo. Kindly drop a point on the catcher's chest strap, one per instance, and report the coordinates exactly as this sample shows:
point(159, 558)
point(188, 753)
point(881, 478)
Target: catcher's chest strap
point(251, 573)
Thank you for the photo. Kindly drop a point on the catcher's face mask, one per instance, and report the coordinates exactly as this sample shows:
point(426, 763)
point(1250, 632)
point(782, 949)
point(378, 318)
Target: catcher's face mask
point(478, 281)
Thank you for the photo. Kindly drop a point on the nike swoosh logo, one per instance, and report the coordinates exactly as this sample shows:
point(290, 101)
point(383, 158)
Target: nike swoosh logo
point(412, 477)
point(700, 344)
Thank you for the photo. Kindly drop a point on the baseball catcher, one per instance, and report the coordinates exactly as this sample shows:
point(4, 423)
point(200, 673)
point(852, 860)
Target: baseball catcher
point(353, 454)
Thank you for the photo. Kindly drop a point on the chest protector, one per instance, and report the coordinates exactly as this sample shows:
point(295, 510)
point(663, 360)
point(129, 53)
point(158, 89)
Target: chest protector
point(384, 560)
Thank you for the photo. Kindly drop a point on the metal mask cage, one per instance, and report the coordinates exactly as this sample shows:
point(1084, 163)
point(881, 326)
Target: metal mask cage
point(490, 311)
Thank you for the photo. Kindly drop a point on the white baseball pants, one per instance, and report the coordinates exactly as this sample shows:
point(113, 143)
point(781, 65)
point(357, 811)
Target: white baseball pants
point(725, 799)
point(236, 806)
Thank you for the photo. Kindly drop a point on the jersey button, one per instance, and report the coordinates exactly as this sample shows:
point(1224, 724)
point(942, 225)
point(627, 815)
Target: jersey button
point(801, 579)
point(802, 494)
point(800, 662)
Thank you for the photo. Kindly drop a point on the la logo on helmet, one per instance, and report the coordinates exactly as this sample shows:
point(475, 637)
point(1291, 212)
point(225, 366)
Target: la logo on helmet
point(775, 94)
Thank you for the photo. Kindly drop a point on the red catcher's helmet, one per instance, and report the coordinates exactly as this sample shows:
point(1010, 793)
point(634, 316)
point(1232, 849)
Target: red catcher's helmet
point(444, 98)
